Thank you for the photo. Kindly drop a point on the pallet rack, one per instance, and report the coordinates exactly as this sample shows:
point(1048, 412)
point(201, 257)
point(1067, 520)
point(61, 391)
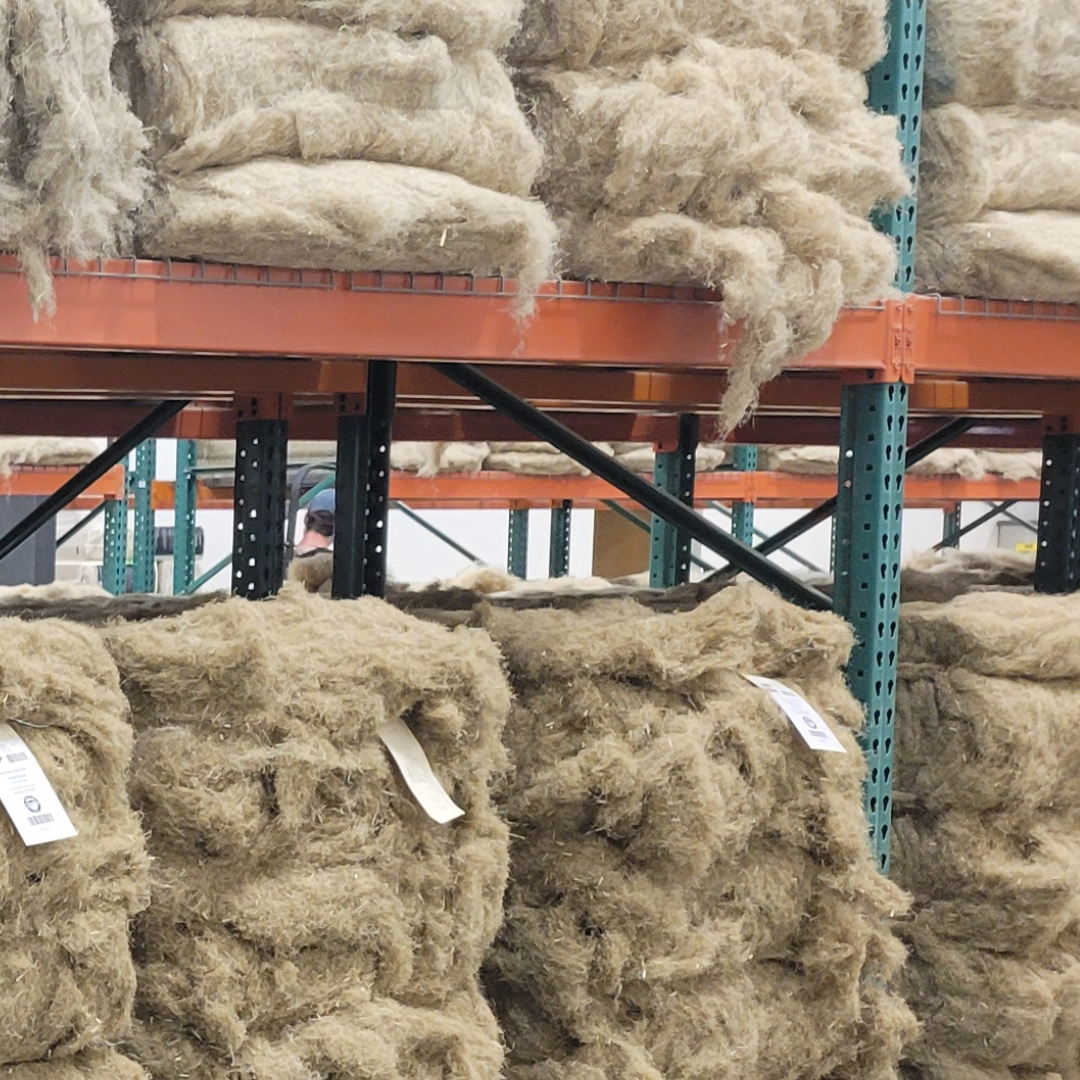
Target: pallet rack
point(142, 348)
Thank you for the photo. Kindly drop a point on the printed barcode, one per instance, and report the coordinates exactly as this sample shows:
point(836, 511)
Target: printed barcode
point(41, 819)
point(21, 756)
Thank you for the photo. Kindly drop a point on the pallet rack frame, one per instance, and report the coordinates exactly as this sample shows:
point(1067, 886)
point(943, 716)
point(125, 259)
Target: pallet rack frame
point(273, 353)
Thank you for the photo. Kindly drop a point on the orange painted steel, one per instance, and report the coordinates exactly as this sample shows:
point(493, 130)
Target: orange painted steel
point(152, 329)
point(147, 306)
point(1003, 339)
point(44, 480)
point(500, 491)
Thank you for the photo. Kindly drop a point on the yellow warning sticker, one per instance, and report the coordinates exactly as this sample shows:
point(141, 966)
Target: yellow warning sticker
point(1027, 548)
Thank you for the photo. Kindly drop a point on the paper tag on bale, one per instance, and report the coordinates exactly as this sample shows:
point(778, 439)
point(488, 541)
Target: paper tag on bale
point(807, 720)
point(28, 797)
point(415, 769)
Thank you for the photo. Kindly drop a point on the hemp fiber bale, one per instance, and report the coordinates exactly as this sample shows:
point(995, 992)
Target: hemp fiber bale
point(77, 147)
point(729, 168)
point(987, 832)
point(227, 90)
point(103, 1064)
point(66, 975)
point(580, 33)
point(1000, 184)
point(995, 52)
point(938, 576)
point(463, 24)
point(691, 891)
point(350, 215)
point(300, 893)
point(1031, 255)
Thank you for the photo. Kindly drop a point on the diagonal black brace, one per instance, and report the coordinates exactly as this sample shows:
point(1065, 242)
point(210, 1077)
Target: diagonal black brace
point(648, 495)
point(90, 474)
point(996, 510)
point(919, 452)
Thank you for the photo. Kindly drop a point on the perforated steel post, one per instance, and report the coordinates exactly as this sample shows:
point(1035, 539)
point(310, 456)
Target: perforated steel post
point(350, 512)
point(114, 554)
point(1057, 564)
point(951, 524)
point(143, 547)
point(381, 397)
point(258, 566)
point(869, 516)
point(742, 513)
point(675, 473)
point(559, 551)
point(184, 536)
point(896, 89)
point(517, 545)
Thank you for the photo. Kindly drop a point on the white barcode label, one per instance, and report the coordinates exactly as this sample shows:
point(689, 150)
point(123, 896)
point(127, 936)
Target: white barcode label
point(26, 794)
point(415, 770)
point(807, 721)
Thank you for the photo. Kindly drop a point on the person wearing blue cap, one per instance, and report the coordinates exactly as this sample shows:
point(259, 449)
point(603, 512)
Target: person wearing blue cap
point(318, 524)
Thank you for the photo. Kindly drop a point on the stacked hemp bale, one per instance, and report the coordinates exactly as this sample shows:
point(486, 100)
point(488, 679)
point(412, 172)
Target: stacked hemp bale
point(71, 169)
point(67, 981)
point(354, 135)
point(308, 920)
point(692, 895)
point(987, 834)
point(999, 210)
point(720, 145)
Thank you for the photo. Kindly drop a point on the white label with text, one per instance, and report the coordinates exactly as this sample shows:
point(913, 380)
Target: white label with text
point(807, 721)
point(28, 797)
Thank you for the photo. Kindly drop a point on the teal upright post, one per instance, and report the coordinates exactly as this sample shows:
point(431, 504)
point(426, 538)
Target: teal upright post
point(742, 513)
point(670, 550)
point(114, 555)
point(896, 89)
point(873, 444)
point(142, 482)
point(184, 543)
point(559, 552)
point(867, 578)
point(517, 554)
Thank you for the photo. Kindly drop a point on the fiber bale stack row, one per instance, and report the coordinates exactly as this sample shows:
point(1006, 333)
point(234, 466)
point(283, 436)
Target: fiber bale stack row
point(987, 836)
point(999, 210)
point(67, 981)
point(691, 893)
point(542, 459)
point(308, 919)
point(949, 461)
point(71, 169)
point(718, 144)
point(357, 135)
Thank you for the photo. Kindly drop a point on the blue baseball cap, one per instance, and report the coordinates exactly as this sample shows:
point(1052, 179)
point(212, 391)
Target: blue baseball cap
point(324, 500)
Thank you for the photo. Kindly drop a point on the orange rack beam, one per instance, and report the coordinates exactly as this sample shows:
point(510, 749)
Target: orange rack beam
point(498, 491)
point(44, 480)
point(128, 333)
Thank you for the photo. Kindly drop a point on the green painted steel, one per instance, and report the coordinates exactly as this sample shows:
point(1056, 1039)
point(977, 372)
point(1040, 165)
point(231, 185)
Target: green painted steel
point(896, 89)
point(742, 513)
point(184, 526)
point(114, 560)
point(517, 554)
point(666, 545)
point(141, 482)
point(559, 550)
point(671, 551)
point(869, 517)
point(952, 523)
